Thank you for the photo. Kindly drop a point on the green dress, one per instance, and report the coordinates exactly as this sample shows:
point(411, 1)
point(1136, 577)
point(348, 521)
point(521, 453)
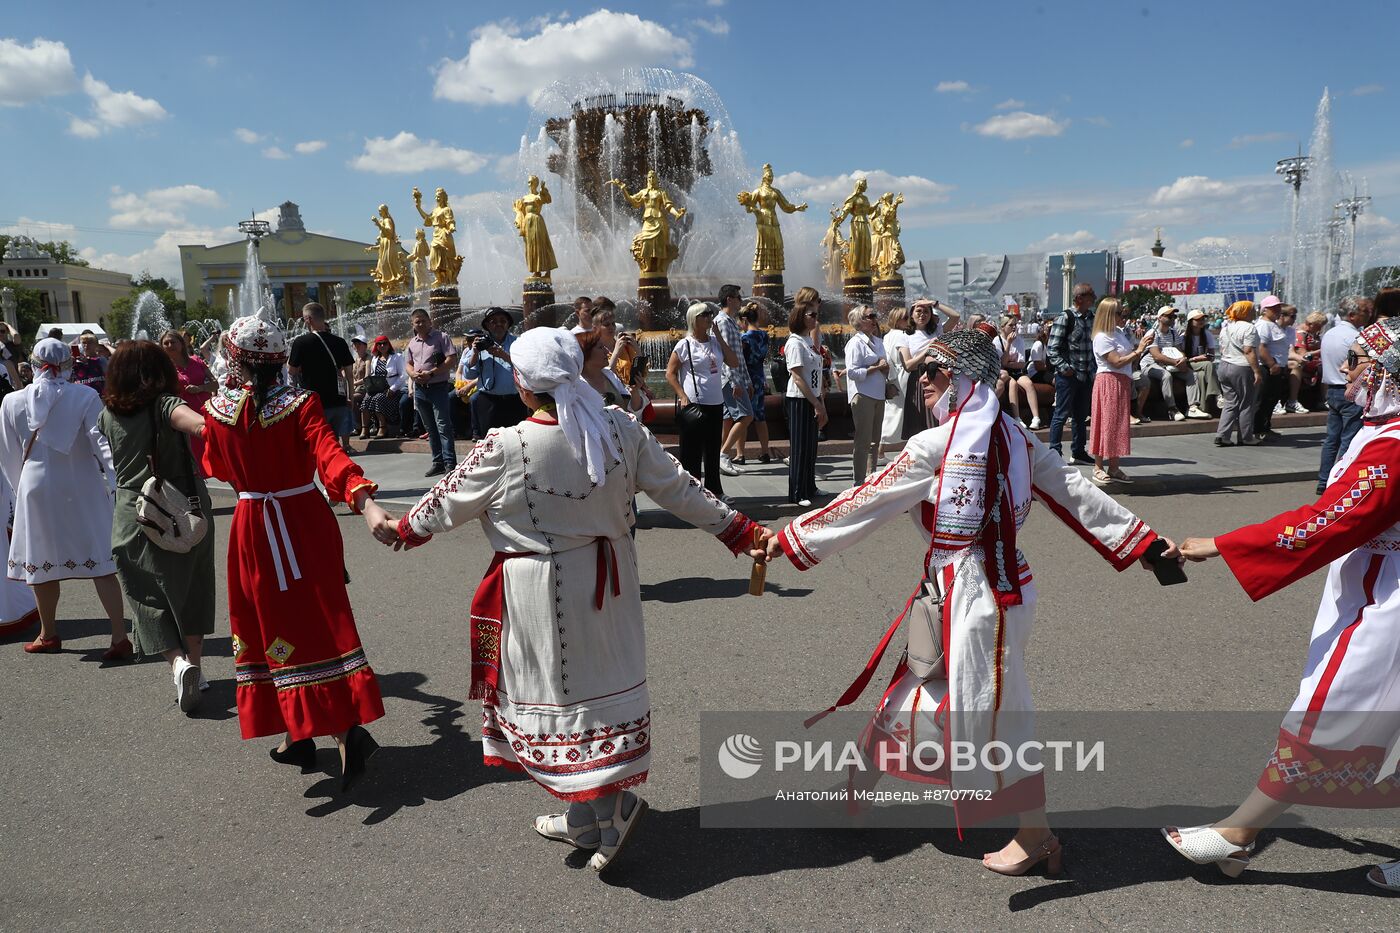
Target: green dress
point(171, 595)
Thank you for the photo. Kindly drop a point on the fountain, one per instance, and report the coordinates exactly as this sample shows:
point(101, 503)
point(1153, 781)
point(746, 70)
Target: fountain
point(148, 320)
point(255, 291)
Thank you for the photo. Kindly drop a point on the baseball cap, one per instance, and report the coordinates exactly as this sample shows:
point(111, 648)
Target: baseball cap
point(1270, 301)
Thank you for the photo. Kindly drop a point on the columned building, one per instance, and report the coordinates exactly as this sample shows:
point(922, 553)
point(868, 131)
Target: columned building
point(69, 294)
point(300, 266)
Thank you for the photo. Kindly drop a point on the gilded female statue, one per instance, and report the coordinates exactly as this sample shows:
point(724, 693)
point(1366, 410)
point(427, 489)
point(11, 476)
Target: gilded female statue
point(529, 221)
point(652, 247)
point(884, 223)
point(418, 261)
point(763, 203)
point(833, 251)
point(388, 272)
point(442, 258)
point(858, 251)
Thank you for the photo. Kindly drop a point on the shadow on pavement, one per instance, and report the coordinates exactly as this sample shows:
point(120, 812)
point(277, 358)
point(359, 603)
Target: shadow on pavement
point(412, 775)
point(685, 589)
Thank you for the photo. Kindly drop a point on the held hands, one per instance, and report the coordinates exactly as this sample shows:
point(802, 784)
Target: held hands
point(1199, 549)
point(1173, 552)
point(766, 546)
point(381, 524)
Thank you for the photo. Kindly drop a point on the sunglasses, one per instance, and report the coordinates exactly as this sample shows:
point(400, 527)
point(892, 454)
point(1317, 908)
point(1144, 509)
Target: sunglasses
point(872, 317)
point(931, 369)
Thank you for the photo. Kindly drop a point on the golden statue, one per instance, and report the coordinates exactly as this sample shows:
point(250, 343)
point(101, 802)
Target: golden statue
point(442, 258)
point(833, 251)
point(418, 261)
point(529, 221)
point(652, 247)
point(857, 207)
point(763, 203)
point(388, 272)
point(884, 224)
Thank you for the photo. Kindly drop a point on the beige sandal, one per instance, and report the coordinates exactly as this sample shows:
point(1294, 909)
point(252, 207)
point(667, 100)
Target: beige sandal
point(548, 827)
point(607, 854)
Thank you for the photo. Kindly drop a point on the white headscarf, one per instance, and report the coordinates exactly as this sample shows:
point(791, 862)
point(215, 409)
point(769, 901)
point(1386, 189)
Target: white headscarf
point(549, 359)
point(53, 362)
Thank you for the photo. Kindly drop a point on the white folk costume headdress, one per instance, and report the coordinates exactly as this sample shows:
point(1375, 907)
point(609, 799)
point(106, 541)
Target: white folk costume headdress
point(52, 361)
point(985, 470)
point(550, 360)
point(1377, 390)
point(252, 341)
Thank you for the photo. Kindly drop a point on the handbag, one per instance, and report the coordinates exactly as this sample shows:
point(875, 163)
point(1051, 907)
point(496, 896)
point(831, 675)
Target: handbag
point(170, 519)
point(891, 390)
point(924, 634)
point(375, 385)
point(689, 415)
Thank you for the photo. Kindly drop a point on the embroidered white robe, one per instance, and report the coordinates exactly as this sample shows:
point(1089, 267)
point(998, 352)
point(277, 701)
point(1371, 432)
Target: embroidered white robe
point(1337, 747)
point(986, 695)
point(571, 709)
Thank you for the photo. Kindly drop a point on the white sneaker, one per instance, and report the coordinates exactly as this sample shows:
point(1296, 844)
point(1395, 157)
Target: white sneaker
point(1178, 416)
point(1135, 421)
point(727, 467)
point(1036, 425)
point(1278, 409)
point(186, 677)
point(805, 503)
point(1196, 412)
point(1293, 408)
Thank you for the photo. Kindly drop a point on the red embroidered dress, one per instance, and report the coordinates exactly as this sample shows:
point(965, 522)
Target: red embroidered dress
point(299, 663)
point(1342, 731)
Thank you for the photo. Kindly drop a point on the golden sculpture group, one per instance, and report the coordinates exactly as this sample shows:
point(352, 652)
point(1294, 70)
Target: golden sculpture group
point(872, 244)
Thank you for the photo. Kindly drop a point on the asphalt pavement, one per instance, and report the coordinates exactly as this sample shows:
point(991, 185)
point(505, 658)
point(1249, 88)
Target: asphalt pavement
point(123, 814)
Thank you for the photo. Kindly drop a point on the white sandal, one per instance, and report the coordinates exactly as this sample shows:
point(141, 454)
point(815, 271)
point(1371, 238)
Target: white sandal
point(1390, 877)
point(545, 826)
point(606, 854)
point(1204, 846)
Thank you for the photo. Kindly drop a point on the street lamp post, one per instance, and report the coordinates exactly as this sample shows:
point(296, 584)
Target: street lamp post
point(1351, 209)
point(1293, 170)
point(1331, 228)
point(1067, 270)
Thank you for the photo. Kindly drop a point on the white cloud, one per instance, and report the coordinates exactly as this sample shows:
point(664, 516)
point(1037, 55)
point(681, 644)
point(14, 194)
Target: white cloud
point(1020, 125)
point(211, 61)
point(114, 109)
point(1249, 139)
point(1059, 242)
point(310, 146)
point(1010, 103)
point(1365, 89)
point(159, 207)
point(248, 136)
point(1186, 144)
point(918, 191)
point(952, 87)
point(162, 257)
point(719, 26)
point(40, 229)
point(503, 67)
point(407, 153)
point(1192, 188)
point(31, 72)
point(714, 2)
point(1098, 121)
point(275, 152)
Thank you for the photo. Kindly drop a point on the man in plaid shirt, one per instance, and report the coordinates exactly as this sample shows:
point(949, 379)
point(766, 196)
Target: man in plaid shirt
point(1071, 358)
point(738, 390)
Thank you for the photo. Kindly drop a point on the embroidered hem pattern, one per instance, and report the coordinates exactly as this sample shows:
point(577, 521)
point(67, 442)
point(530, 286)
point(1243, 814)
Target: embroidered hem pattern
point(251, 673)
point(1301, 773)
point(565, 764)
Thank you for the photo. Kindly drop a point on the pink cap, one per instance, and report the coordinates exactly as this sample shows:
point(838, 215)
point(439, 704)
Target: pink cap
point(1270, 301)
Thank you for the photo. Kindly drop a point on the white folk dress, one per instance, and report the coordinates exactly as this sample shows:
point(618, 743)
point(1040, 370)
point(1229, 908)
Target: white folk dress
point(570, 707)
point(63, 492)
point(1338, 745)
point(17, 609)
point(985, 694)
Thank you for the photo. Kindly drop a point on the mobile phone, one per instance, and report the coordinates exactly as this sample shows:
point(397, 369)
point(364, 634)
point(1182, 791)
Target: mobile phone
point(1167, 569)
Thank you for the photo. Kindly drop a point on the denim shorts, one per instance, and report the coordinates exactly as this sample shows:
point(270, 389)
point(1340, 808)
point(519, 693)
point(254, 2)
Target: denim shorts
point(736, 409)
point(340, 420)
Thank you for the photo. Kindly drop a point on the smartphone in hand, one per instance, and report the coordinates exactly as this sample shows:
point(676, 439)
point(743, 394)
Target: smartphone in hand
point(1169, 572)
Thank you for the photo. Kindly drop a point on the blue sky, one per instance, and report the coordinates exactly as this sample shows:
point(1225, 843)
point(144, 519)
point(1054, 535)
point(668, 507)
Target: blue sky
point(1008, 126)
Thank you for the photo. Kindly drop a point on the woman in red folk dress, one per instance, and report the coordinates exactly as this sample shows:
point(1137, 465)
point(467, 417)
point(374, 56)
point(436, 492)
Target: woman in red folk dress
point(300, 667)
point(1339, 744)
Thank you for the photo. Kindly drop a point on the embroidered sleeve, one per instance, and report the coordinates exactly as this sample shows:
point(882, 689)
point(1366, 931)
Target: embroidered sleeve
point(465, 493)
point(911, 478)
point(1118, 535)
point(672, 488)
point(1361, 504)
point(341, 476)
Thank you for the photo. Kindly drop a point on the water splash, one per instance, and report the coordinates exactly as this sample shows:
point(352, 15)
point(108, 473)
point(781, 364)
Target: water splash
point(255, 291)
point(148, 318)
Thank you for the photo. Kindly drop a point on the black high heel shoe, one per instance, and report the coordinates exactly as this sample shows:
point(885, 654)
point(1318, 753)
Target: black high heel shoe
point(301, 753)
point(360, 747)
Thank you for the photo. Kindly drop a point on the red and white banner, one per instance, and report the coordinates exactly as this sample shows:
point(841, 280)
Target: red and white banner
point(1182, 286)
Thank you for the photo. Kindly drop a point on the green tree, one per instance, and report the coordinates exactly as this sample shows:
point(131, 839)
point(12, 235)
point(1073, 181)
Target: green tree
point(29, 310)
point(118, 322)
point(1145, 301)
point(359, 296)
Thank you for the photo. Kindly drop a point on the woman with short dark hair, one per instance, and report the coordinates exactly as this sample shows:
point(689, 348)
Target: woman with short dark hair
point(806, 413)
point(171, 596)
